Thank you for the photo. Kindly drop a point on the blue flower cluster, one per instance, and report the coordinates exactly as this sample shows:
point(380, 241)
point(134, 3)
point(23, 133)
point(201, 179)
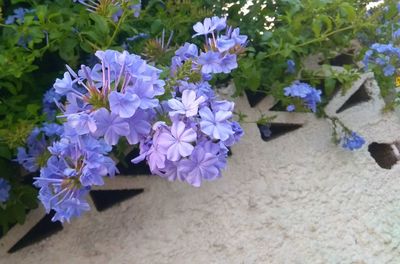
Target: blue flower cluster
point(192, 145)
point(18, 16)
point(220, 50)
point(304, 94)
point(76, 164)
point(4, 190)
point(386, 56)
point(113, 99)
point(35, 155)
point(184, 137)
point(352, 141)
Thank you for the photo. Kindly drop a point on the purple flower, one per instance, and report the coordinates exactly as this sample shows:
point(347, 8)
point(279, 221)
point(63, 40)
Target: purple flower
point(211, 62)
point(173, 171)
point(63, 86)
point(291, 66)
point(203, 28)
point(225, 44)
point(19, 14)
point(82, 123)
point(177, 142)
point(52, 129)
point(189, 105)
point(303, 91)
point(290, 108)
point(229, 63)
point(123, 104)
point(218, 23)
point(110, 125)
point(139, 127)
point(352, 141)
point(386, 56)
point(239, 39)
point(71, 208)
point(4, 190)
point(215, 125)
point(201, 165)
point(389, 70)
point(187, 51)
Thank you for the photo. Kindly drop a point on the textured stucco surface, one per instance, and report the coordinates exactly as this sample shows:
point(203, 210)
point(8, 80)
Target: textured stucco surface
point(295, 199)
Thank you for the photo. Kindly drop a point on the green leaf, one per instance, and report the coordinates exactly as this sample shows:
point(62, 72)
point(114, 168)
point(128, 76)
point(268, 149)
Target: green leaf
point(156, 26)
point(348, 10)
point(5, 152)
point(28, 197)
point(330, 85)
point(32, 109)
point(41, 12)
point(18, 212)
point(101, 24)
point(316, 27)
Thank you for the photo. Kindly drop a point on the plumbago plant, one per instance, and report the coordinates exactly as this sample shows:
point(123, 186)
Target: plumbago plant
point(182, 129)
point(37, 38)
point(382, 55)
point(283, 34)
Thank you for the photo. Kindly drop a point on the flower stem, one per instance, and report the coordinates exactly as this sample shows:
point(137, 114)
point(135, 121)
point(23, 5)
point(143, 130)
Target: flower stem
point(122, 18)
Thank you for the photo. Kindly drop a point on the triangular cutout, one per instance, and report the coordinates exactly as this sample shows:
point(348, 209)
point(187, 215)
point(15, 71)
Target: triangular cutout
point(275, 130)
point(128, 168)
point(278, 107)
point(43, 229)
point(383, 154)
point(341, 60)
point(254, 97)
point(104, 199)
point(360, 96)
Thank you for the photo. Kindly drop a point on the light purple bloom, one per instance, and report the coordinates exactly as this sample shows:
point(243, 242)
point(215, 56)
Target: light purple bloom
point(139, 127)
point(225, 44)
point(173, 171)
point(389, 70)
point(110, 125)
point(239, 39)
point(201, 165)
point(215, 125)
point(82, 123)
point(229, 63)
point(218, 23)
point(189, 105)
point(63, 86)
point(177, 143)
point(290, 108)
point(203, 28)
point(19, 15)
point(123, 104)
point(210, 61)
point(309, 95)
point(352, 141)
point(187, 51)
